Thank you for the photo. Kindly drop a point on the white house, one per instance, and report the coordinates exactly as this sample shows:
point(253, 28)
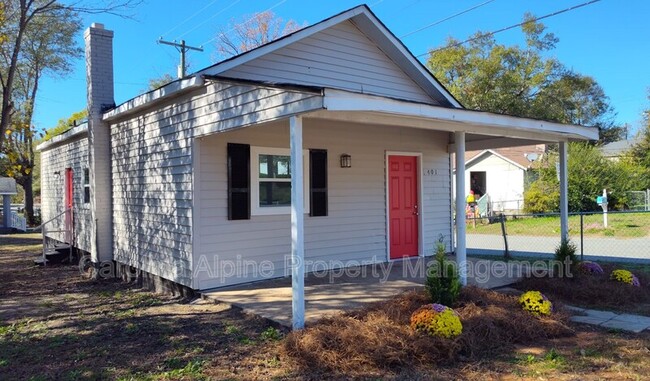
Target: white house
point(500, 174)
point(328, 147)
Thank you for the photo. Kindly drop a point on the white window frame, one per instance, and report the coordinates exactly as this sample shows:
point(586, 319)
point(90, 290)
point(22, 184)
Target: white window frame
point(256, 209)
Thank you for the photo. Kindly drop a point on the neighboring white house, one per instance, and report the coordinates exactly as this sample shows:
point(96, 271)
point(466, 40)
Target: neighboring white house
point(328, 147)
point(500, 174)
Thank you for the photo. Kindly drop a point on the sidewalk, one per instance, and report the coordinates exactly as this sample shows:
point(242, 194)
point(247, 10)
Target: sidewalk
point(608, 319)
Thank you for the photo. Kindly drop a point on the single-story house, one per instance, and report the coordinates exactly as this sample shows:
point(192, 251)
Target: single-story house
point(500, 175)
point(328, 147)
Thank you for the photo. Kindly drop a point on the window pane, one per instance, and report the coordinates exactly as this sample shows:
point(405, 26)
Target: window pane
point(86, 176)
point(275, 194)
point(281, 167)
point(264, 166)
point(274, 167)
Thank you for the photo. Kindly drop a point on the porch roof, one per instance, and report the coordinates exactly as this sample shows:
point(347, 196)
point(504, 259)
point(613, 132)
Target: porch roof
point(484, 129)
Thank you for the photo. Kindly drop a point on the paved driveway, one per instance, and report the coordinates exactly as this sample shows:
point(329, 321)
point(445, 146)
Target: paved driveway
point(339, 290)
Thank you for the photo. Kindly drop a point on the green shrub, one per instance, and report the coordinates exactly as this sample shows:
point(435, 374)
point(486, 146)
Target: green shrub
point(442, 284)
point(541, 197)
point(565, 253)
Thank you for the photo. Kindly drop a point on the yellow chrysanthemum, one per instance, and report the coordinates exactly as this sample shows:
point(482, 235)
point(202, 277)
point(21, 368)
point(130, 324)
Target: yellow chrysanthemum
point(437, 320)
point(536, 303)
point(624, 276)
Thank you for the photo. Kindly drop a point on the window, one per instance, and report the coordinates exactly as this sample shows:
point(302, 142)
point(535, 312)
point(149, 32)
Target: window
point(271, 181)
point(86, 186)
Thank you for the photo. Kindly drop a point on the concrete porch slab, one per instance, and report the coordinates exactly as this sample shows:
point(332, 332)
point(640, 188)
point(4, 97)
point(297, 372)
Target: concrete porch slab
point(334, 291)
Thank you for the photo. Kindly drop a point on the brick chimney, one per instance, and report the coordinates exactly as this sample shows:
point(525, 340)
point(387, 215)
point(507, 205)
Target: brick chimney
point(99, 79)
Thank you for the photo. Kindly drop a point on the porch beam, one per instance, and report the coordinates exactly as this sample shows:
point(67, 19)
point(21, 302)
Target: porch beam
point(564, 191)
point(297, 225)
point(501, 142)
point(384, 119)
point(461, 239)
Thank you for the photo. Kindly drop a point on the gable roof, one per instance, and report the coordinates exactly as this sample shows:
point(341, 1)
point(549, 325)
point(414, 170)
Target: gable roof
point(368, 23)
point(513, 155)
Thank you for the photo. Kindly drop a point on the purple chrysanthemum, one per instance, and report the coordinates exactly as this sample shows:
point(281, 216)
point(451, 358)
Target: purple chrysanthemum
point(438, 307)
point(635, 281)
point(591, 268)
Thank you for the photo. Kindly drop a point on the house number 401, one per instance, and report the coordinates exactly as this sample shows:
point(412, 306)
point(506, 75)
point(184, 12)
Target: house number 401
point(430, 172)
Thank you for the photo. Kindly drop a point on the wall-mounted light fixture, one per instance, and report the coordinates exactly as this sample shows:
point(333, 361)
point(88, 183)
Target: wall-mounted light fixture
point(346, 161)
point(57, 174)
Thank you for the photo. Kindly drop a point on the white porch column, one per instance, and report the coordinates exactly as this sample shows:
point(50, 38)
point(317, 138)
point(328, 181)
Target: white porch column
point(461, 239)
point(297, 225)
point(564, 192)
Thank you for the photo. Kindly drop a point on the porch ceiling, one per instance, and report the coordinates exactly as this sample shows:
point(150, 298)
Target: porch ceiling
point(483, 130)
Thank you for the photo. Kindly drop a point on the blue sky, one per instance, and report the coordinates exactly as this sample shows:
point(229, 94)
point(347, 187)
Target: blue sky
point(608, 40)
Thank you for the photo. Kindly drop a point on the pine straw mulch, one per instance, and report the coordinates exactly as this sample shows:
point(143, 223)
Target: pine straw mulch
point(378, 339)
point(595, 291)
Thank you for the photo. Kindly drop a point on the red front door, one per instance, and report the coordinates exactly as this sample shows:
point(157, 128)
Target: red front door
point(403, 214)
point(69, 197)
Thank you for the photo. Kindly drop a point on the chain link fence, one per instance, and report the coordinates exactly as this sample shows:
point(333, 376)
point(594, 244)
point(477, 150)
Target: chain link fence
point(619, 235)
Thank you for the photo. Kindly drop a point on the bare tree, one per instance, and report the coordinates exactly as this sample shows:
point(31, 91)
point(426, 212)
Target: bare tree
point(250, 32)
point(48, 47)
point(19, 17)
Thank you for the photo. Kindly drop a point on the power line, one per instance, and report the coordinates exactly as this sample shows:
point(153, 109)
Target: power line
point(210, 18)
point(249, 20)
point(509, 27)
point(447, 18)
point(189, 18)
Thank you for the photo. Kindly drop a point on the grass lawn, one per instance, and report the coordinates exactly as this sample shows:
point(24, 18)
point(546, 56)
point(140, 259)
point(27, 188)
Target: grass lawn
point(55, 325)
point(620, 225)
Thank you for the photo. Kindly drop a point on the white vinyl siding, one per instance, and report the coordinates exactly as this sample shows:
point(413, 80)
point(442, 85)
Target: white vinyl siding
point(340, 57)
point(152, 169)
point(355, 229)
point(55, 159)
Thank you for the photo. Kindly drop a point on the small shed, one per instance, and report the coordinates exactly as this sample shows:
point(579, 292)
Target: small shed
point(7, 189)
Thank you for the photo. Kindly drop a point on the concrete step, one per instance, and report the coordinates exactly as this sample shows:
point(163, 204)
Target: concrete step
point(62, 248)
point(40, 261)
point(55, 256)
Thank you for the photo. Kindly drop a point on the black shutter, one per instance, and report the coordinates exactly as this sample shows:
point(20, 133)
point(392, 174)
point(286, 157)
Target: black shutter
point(239, 183)
point(318, 182)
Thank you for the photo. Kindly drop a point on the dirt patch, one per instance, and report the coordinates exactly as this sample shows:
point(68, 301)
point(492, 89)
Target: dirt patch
point(55, 325)
point(595, 291)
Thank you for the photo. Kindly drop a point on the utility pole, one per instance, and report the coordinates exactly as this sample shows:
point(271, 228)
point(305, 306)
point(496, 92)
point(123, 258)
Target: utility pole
point(182, 48)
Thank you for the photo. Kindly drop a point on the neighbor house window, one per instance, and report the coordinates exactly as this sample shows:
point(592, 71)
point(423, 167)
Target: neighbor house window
point(271, 181)
point(86, 186)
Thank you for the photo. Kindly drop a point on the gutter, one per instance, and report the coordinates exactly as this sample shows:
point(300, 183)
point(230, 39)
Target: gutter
point(153, 97)
point(69, 134)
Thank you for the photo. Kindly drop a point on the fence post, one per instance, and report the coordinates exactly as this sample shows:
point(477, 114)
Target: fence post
point(582, 237)
point(505, 237)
